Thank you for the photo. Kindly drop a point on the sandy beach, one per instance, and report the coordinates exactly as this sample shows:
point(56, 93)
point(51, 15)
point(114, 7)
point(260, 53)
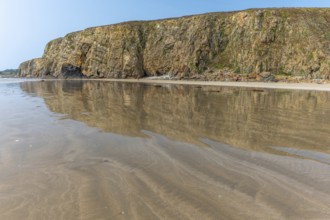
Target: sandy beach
point(86, 149)
point(268, 85)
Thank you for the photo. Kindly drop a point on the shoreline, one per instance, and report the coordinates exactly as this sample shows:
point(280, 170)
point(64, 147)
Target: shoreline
point(261, 85)
point(264, 85)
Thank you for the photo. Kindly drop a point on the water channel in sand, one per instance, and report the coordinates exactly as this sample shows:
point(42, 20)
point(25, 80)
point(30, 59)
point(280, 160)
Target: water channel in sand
point(113, 150)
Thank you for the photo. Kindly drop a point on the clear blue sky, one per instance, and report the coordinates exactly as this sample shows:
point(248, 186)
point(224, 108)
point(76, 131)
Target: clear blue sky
point(27, 25)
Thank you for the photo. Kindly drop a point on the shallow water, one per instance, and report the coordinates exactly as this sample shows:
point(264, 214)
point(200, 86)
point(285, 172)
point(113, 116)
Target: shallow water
point(106, 150)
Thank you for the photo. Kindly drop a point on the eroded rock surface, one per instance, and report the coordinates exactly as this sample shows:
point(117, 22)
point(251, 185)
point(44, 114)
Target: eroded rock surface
point(239, 46)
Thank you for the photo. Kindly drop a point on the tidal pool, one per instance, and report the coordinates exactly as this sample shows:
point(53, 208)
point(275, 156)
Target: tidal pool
point(112, 150)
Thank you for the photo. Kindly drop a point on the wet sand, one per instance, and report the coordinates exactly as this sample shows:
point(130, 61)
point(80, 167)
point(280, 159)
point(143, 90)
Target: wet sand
point(269, 85)
point(108, 150)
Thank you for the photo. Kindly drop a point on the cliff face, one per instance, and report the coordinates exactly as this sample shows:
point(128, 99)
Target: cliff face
point(286, 42)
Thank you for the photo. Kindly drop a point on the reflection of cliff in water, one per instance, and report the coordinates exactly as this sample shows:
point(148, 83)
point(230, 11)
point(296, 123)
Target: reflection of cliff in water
point(241, 117)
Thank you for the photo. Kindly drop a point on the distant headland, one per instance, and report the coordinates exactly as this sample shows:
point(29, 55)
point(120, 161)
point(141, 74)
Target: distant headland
point(9, 73)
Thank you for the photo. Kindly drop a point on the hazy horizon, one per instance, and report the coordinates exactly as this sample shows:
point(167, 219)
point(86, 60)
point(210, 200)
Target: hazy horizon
point(27, 26)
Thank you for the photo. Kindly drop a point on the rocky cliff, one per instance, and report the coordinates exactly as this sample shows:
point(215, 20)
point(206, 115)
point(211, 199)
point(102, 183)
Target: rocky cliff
point(257, 44)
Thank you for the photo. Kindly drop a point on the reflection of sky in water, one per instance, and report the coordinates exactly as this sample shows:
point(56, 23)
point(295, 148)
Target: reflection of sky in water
point(320, 157)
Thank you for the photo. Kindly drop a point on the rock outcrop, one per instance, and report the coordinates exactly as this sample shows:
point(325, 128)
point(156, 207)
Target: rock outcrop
point(258, 44)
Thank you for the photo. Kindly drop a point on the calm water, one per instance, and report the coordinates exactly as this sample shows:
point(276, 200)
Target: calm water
point(105, 150)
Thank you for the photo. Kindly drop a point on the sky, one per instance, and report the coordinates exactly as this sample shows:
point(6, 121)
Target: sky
point(27, 25)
